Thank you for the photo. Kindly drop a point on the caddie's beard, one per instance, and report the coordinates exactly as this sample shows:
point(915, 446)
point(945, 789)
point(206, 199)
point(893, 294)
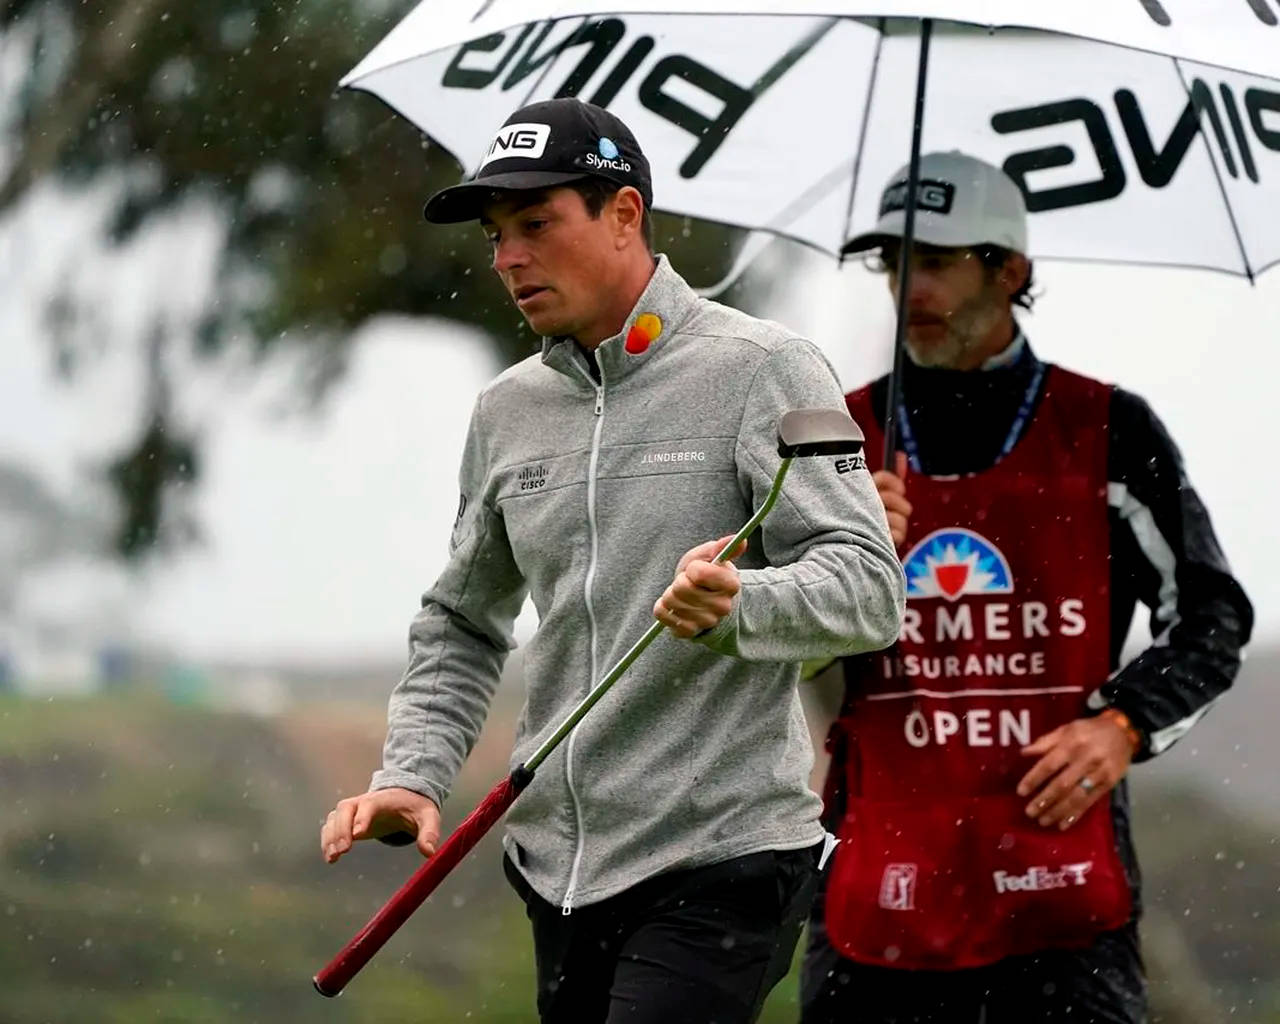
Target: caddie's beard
point(968, 328)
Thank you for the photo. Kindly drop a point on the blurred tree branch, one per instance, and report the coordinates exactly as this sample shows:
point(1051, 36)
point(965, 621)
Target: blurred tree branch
point(234, 103)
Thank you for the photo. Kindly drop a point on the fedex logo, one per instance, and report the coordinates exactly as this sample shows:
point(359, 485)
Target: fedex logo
point(1041, 879)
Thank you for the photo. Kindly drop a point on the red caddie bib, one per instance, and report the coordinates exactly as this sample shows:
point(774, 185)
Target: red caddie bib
point(1005, 634)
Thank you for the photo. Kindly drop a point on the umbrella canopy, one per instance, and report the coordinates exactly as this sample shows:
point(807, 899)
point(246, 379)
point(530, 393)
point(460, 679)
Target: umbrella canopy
point(1229, 33)
point(1140, 130)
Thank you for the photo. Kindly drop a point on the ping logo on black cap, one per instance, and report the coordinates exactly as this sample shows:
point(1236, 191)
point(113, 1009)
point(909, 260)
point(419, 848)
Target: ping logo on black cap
point(525, 140)
point(932, 195)
point(547, 144)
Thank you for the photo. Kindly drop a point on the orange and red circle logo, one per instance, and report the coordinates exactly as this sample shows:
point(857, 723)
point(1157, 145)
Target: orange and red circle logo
point(643, 333)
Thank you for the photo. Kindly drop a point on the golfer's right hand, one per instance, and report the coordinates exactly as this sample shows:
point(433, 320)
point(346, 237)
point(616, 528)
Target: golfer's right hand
point(377, 814)
point(892, 489)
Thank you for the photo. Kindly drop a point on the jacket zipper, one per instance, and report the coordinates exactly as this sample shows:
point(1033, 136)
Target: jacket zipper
point(566, 907)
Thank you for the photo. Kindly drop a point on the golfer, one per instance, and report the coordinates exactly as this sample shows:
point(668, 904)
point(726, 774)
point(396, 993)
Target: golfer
point(666, 853)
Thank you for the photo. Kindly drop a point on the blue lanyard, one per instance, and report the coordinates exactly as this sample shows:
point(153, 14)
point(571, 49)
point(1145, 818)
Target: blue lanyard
point(912, 447)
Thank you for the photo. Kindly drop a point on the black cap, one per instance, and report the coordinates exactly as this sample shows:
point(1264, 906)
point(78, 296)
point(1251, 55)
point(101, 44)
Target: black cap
point(545, 144)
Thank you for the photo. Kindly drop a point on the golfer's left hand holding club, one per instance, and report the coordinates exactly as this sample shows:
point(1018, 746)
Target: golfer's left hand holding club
point(702, 593)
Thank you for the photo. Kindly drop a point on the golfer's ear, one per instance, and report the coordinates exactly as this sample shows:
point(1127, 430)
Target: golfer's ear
point(627, 209)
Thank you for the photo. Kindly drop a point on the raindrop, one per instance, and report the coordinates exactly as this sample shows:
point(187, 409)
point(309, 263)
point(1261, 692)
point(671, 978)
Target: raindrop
point(175, 79)
point(238, 29)
point(393, 259)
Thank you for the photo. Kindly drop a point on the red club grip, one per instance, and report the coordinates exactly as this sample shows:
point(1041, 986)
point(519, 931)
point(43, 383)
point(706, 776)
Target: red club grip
point(333, 977)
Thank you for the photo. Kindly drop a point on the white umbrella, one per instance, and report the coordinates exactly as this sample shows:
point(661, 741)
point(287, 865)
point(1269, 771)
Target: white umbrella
point(792, 122)
point(1142, 131)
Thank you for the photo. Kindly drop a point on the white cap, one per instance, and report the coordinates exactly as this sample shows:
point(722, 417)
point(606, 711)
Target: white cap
point(961, 201)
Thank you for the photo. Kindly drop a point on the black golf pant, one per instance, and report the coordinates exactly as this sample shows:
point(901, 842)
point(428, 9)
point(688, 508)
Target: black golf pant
point(701, 946)
point(1103, 984)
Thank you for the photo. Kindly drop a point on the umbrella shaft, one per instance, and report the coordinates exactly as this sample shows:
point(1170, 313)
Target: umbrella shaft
point(904, 257)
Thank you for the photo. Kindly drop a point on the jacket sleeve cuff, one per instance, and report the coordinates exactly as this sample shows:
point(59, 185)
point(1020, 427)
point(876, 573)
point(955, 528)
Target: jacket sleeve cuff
point(721, 637)
point(390, 778)
point(1136, 720)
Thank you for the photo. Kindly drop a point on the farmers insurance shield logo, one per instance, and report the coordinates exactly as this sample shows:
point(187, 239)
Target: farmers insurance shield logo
point(955, 562)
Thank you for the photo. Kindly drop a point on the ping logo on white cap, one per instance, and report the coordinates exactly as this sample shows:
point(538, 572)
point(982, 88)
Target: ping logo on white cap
point(932, 195)
point(526, 140)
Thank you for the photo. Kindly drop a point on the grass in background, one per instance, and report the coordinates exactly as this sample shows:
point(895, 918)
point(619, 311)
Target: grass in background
point(160, 863)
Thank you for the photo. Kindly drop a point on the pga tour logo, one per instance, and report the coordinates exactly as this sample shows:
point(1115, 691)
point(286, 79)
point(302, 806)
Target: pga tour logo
point(527, 141)
point(1041, 879)
point(898, 887)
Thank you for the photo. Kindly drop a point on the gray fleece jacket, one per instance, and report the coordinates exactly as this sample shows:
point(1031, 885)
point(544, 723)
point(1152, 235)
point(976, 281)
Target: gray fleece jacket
point(583, 496)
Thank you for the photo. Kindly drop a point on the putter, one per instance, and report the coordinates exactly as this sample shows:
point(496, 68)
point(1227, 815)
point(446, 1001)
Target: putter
point(802, 433)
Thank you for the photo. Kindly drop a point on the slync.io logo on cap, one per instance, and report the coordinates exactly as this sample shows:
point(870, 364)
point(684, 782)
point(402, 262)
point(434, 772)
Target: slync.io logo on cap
point(607, 156)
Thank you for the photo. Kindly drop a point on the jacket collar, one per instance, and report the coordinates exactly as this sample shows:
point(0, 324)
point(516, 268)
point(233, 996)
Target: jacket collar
point(663, 307)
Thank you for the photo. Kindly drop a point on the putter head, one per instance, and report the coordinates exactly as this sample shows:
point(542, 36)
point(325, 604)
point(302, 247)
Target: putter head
point(807, 432)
